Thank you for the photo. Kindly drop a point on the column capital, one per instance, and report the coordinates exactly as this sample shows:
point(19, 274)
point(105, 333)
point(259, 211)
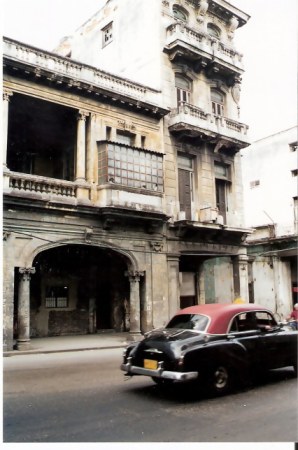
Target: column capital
point(26, 272)
point(7, 93)
point(82, 115)
point(134, 275)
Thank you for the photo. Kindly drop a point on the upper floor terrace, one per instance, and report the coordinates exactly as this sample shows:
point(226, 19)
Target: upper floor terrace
point(192, 121)
point(60, 72)
point(203, 51)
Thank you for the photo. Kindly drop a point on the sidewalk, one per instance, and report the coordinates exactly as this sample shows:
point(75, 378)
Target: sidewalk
point(74, 343)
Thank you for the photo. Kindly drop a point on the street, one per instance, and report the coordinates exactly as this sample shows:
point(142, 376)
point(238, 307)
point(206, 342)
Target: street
point(83, 397)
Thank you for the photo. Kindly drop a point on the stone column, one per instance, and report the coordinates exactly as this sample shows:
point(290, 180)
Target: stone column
point(240, 275)
point(23, 341)
point(90, 150)
point(173, 284)
point(135, 301)
point(6, 96)
point(81, 147)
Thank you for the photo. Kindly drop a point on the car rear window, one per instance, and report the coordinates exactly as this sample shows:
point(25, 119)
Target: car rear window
point(189, 322)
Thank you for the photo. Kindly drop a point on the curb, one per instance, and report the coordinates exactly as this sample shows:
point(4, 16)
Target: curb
point(66, 350)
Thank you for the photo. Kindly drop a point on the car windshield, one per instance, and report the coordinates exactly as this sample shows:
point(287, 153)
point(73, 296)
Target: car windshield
point(189, 322)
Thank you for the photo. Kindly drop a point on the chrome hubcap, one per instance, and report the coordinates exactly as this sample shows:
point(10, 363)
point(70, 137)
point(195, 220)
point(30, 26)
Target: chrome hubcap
point(221, 377)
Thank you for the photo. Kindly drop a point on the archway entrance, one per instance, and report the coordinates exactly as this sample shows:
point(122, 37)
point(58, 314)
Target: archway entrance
point(79, 289)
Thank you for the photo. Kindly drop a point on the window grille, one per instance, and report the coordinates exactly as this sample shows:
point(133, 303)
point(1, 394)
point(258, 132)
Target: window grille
point(56, 297)
point(132, 167)
point(107, 34)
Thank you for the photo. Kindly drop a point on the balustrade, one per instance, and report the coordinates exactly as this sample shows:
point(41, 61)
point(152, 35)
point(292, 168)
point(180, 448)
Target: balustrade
point(202, 42)
point(78, 72)
point(41, 185)
point(196, 117)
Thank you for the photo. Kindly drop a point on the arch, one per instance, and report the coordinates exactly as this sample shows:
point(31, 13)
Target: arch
point(80, 288)
point(213, 30)
point(132, 261)
point(180, 13)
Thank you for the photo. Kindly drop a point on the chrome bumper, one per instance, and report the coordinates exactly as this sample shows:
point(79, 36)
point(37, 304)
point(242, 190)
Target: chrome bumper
point(158, 373)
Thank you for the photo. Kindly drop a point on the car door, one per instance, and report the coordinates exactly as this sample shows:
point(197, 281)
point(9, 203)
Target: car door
point(275, 342)
point(244, 330)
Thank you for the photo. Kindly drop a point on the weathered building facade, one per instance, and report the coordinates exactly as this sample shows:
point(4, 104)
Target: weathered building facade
point(123, 193)
point(270, 193)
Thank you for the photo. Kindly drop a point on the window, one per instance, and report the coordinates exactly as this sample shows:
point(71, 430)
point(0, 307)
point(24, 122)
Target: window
point(222, 171)
point(293, 146)
point(250, 321)
point(294, 172)
point(222, 180)
point(143, 141)
point(254, 184)
point(132, 167)
point(295, 203)
point(125, 138)
point(56, 296)
point(185, 184)
point(217, 102)
point(180, 13)
point(108, 133)
point(107, 34)
point(183, 88)
point(189, 322)
point(213, 30)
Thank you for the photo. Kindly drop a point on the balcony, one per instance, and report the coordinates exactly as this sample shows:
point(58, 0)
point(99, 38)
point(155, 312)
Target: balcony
point(192, 121)
point(49, 68)
point(50, 191)
point(202, 51)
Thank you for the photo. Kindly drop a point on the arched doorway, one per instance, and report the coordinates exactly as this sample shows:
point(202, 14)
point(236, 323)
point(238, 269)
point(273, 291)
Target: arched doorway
point(79, 289)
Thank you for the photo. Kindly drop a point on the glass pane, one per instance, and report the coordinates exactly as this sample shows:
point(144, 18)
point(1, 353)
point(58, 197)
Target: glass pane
point(184, 162)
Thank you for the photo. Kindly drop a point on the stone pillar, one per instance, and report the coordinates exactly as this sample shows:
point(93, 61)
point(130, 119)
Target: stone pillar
point(23, 341)
point(90, 150)
point(135, 301)
point(240, 276)
point(81, 147)
point(173, 284)
point(5, 106)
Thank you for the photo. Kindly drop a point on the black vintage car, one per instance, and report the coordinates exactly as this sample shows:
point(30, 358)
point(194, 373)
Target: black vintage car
point(215, 344)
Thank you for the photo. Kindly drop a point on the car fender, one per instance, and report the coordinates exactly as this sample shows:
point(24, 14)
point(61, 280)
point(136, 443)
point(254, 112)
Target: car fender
point(229, 352)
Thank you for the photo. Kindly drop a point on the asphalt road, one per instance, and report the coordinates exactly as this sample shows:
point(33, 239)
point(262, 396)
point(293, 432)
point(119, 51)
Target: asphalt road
point(83, 397)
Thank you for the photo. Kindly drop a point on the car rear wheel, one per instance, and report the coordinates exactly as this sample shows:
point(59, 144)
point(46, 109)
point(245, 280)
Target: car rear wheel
point(220, 381)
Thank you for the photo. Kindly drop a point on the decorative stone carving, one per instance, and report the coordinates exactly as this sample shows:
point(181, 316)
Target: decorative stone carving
point(6, 235)
point(156, 246)
point(88, 234)
point(125, 125)
point(7, 94)
point(134, 275)
point(236, 90)
point(233, 25)
point(26, 272)
point(203, 7)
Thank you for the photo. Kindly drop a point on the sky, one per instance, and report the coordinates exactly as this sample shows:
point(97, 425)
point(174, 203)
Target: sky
point(268, 42)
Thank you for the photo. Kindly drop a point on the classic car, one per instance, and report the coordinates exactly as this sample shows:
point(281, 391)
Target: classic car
point(215, 344)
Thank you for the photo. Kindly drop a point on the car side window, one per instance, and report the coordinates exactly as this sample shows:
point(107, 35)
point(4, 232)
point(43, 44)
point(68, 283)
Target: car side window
point(265, 320)
point(249, 321)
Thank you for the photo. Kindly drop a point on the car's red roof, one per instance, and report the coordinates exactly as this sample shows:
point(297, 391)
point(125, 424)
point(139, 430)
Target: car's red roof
point(221, 314)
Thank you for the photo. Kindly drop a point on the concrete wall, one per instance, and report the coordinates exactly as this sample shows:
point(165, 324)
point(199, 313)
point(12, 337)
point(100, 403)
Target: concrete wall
point(270, 162)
